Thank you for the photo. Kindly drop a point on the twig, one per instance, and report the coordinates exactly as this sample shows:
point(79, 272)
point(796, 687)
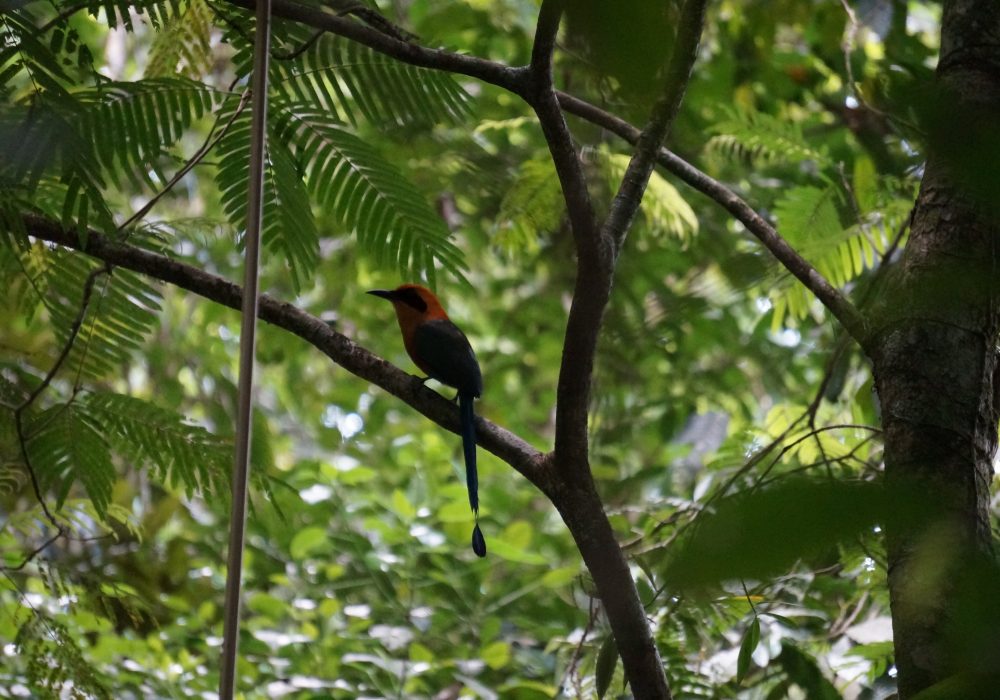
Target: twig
point(845, 312)
point(199, 155)
point(296, 52)
point(577, 652)
point(30, 556)
point(19, 411)
point(413, 54)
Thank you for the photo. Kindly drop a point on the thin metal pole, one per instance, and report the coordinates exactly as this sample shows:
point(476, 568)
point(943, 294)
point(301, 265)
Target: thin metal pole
point(248, 336)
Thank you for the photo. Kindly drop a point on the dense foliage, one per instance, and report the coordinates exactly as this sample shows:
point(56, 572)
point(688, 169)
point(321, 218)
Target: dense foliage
point(718, 374)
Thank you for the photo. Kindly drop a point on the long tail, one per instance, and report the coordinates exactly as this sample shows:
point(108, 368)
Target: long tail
point(468, 421)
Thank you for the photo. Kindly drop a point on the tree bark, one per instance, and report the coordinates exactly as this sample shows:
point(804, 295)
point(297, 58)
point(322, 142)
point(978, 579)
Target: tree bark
point(935, 353)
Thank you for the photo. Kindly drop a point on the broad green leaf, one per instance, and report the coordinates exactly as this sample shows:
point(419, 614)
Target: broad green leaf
point(496, 655)
point(607, 660)
point(804, 672)
point(557, 578)
point(865, 184)
point(808, 214)
point(761, 533)
point(750, 640)
point(307, 541)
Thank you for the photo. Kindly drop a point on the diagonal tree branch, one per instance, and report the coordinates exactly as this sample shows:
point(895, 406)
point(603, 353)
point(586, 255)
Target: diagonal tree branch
point(540, 93)
point(527, 460)
point(507, 77)
point(594, 281)
point(647, 145)
point(842, 309)
point(594, 253)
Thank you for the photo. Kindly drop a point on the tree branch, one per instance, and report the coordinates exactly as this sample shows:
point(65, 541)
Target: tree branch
point(594, 280)
point(491, 72)
point(594, 254)
point(540, 93)
point(828, 295)
point(88, 289)
point(647, 145)
point(527, 460)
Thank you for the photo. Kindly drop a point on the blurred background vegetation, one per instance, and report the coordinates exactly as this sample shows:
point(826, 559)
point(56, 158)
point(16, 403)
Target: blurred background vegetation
point(717, 374)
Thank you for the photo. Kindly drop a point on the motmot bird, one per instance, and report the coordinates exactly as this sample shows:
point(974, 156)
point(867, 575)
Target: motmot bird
point(440, 349)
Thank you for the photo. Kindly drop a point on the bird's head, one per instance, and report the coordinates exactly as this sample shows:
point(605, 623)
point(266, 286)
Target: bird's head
point(412, 302)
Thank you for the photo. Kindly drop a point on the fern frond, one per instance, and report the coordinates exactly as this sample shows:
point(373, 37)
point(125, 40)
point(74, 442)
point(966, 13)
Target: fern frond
point(123, 310)
point(807, 214)
point(391, 219)
point(809, 218)
point(66, 446)
point(351, 82)
point(23, 55)
point(662, 205)
point(55, 664)
point(44, 140)
point(760, 138)
point(119, 13)
point(532, 206)
point(182, 454)
point(288, 223)
point(183, 46)
point(131, 125)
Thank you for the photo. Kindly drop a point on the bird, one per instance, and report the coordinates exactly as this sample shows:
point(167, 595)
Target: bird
point(440, 349)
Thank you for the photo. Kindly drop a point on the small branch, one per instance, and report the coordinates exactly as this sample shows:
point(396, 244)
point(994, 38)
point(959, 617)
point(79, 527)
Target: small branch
point(30, 556)
point(438, 59)
point(647, 145)
point(842, 309)
point(530, 462)
point(595, 267)
point(570, 672)
point(88, 289)
point(541, 95)
point(210, 142)
point(298, 51)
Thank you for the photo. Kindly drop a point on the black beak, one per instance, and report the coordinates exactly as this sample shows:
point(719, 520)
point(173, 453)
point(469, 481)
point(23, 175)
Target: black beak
point(384, 293)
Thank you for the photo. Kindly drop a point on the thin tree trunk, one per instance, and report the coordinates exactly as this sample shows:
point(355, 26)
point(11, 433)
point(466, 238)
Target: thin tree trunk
point(935, 355)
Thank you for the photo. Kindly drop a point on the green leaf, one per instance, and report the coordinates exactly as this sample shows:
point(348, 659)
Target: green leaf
point(865, 184)
point(750, 640)
point(122, 311)
point(402, 507)
point(307, 541)
point(664, 207)
point(496, 655)
point(761, 138)
point(348, 178)
point(607, 660)
point(183, 455)
point(132, 125)
point(808, 214)
point(759, 534)
point(288, 223)
point(557, 578)
point(350, 82)
point(67, 446)
point(532, 207)
point(803, 671)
